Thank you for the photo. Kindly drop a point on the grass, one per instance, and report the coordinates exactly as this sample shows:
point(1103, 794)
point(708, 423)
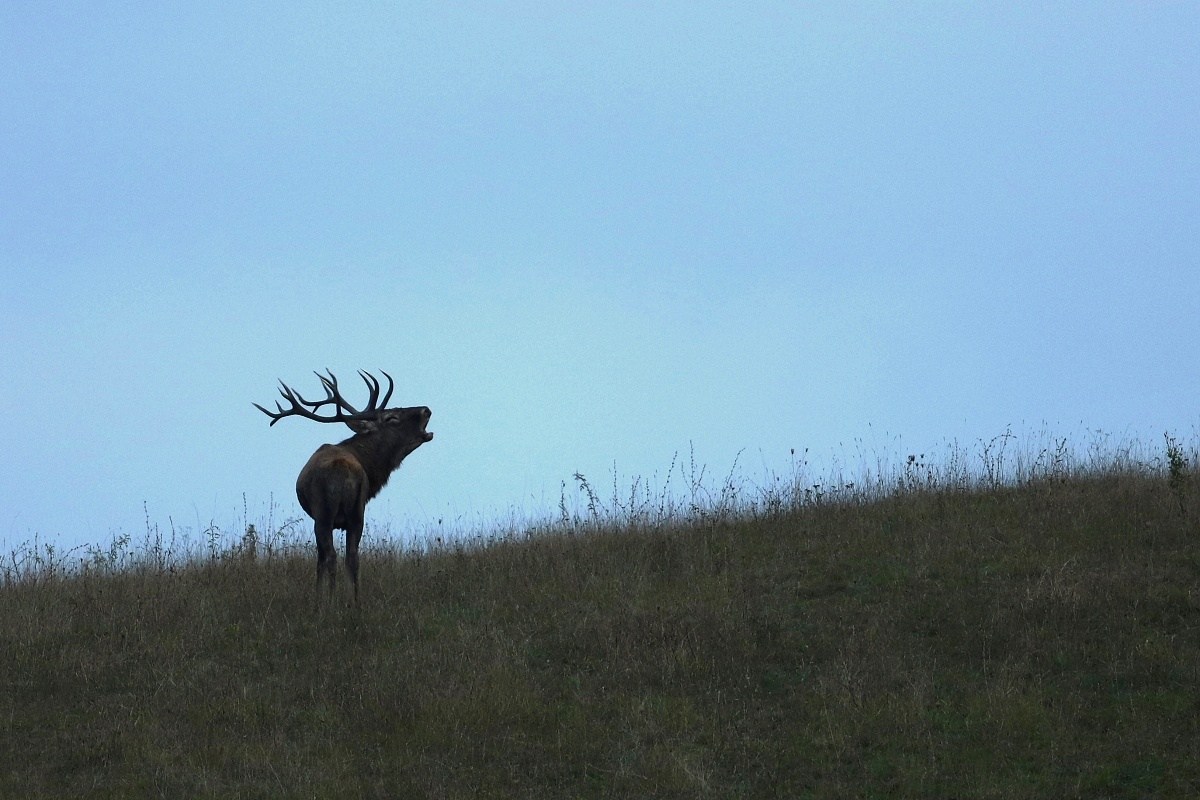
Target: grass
point(929, 632)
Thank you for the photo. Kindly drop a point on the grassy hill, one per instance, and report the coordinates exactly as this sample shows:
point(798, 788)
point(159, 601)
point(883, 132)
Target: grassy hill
point(1036, 639)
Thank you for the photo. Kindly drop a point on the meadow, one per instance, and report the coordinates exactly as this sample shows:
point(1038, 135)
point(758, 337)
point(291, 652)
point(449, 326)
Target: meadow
point(996, 622)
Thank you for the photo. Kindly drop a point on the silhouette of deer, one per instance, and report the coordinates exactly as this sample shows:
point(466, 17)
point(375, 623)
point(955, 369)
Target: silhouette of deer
point(339, 479)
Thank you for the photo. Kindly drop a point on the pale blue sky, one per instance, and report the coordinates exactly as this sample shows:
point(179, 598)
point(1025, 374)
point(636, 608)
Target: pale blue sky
point(584, 235)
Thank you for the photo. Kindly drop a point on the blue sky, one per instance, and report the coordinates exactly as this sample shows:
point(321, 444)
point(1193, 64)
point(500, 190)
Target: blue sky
point(585, 236)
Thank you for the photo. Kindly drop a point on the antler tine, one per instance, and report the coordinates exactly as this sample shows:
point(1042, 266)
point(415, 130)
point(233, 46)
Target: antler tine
point(373, 388)
point(333, 394)
point(274, 417)
point(293, 397)
point(388, 395)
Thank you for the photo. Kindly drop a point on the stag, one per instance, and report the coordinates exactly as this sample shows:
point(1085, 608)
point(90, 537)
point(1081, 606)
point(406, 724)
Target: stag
point(339, 479)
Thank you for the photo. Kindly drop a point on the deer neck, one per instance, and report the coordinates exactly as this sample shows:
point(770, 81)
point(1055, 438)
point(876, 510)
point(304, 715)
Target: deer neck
point(380, 453)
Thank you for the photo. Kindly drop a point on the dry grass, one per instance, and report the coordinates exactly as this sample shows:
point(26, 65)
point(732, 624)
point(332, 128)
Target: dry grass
point(1030, 640)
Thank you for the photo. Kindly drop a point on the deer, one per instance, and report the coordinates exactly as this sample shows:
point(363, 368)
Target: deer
point(340, 479)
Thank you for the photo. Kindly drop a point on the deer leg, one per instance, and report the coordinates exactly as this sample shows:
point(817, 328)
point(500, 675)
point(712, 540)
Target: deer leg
point(353, 536)
point(326, 556)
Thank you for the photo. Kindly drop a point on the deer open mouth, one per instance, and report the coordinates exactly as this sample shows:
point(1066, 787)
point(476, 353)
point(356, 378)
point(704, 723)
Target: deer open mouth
point(426, 435)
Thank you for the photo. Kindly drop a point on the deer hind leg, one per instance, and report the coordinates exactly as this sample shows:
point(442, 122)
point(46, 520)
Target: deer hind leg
point(353, 536)
point(326, 556)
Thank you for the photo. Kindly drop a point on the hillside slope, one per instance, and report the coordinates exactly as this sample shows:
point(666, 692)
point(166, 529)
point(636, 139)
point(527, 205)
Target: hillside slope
point(1041, 641)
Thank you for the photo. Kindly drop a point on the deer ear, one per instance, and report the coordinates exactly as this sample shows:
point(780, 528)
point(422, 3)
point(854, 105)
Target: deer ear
point(361, 425)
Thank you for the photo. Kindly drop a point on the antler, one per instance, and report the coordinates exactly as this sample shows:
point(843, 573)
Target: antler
point(344, 412)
